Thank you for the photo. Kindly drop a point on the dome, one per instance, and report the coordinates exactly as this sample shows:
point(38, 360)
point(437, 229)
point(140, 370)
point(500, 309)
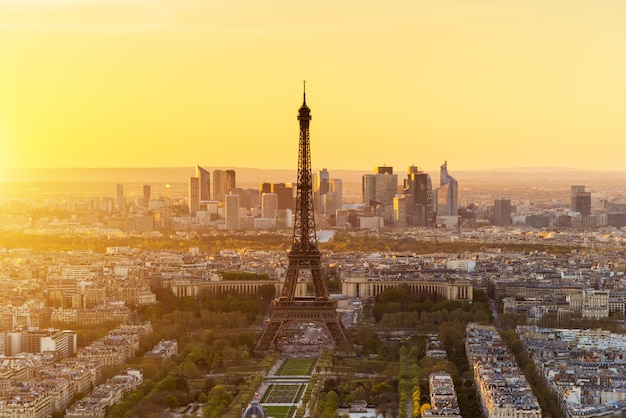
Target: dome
point(254, 410)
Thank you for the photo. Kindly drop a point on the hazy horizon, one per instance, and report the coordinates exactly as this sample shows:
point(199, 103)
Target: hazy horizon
point(246, 176)
point(368, 170)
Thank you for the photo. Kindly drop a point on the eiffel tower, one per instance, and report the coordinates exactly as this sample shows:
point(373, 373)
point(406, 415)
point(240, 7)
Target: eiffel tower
point(304, 256)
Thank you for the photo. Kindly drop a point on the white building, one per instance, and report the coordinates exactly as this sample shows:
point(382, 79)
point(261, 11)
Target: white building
point(269, 205)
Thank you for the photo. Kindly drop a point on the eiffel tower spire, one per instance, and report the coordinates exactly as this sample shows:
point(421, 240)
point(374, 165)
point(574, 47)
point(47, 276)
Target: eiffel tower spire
point(290, 308)
point(304, 237)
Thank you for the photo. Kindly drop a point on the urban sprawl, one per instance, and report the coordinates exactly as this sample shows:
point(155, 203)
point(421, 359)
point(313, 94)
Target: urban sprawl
point(553, 275)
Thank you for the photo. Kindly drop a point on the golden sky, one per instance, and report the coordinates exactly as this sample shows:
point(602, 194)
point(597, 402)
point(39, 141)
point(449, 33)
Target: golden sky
point(148, 83)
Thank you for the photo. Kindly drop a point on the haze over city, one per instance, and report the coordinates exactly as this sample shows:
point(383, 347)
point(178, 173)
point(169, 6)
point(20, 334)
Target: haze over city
point(435, 227)
point(141, 83)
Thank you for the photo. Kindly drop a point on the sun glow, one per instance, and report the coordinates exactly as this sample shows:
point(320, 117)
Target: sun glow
point(113, 83)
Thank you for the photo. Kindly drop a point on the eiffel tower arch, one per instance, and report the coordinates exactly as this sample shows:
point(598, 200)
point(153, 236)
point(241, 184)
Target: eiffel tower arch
point(304, 258)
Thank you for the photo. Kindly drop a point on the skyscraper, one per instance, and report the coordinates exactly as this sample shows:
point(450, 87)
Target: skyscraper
point(223, 182)
point(321, 186)
point(399, 210)
point(421, 207)
point(447, 193)
point(265, 188)
point(269, 205)
point(231, 182)
point(383, 170)
point(333, 200)
point(380, 188)
point(194, 195)
point(369, 189)
point(231, 211)
point(248, 198)
point(502, 211)
point(285, 195)
point(284, 192)
point(204, 183)
point(581, 200)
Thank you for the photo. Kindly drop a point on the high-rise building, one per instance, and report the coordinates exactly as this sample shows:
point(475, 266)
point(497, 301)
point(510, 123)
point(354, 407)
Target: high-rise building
point(336, 186)
point(502, 211)
point(327, 193)
point(330, 204)
point(581, 200)
point(321, 186)
point(231, 182)
point(447, 194)
point(194, 195)
point(284, 192)
point(265, 188)
point(147, 194)
point(369, 189)
point(379, 190)
point(380, 187)
point(420, 207)
point(269, 205)
point(205, 183)
point(321, 181)
point(399, 210)
point(333, 200)
point(285, 195)
point(231, 211)
point(223, 182)
point(383, 170)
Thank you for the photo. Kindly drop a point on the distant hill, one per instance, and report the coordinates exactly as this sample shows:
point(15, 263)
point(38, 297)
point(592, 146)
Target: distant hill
point(251, 177)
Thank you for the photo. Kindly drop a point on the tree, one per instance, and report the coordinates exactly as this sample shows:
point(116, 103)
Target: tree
point(217, 403)
point(171, 401)
point(169, 383)
point(190, 369)
point(381, 388)
point(332, 400)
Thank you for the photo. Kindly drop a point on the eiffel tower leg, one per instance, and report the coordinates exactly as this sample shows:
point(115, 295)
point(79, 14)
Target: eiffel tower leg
point(268, 337)
point(337, 332)
point(291, 279)
point(319, 285)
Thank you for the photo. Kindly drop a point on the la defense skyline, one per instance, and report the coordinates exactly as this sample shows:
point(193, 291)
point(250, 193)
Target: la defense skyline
point(415, 202)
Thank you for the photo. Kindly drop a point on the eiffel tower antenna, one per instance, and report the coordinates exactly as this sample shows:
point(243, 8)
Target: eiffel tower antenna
point(290, 307)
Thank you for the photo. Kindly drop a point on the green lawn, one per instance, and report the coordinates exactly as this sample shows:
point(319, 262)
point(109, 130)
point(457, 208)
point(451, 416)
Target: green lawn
point(297, 367)
point(283, 393)
point(279, 411)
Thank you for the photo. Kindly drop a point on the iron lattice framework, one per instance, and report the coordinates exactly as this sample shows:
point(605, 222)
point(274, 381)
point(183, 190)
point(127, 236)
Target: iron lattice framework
point(288, 308)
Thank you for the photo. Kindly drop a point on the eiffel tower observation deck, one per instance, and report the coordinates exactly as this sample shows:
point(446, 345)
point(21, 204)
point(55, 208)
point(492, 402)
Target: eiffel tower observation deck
point(304, 264)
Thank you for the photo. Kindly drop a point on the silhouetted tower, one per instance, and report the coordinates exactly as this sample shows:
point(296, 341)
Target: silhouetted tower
point(290, 308)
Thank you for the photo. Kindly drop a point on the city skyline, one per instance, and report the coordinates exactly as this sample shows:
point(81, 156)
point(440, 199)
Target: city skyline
point(149, 83)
